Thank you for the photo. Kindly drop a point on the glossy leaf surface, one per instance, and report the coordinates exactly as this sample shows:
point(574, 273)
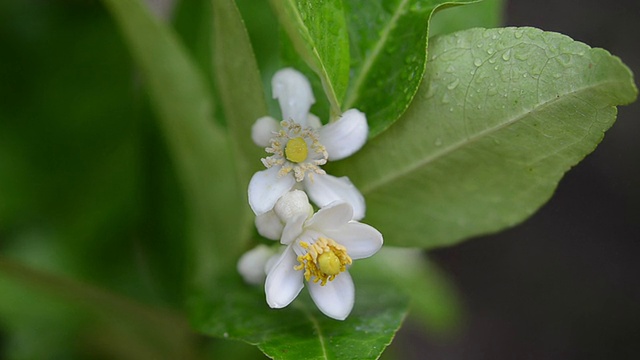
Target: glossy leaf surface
point(318, 32)
point(388, 55)
point(300, 331)
point(502, 114)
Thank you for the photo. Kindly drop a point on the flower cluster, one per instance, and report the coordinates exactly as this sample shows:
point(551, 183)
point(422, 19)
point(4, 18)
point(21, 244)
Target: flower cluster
point(317, 247)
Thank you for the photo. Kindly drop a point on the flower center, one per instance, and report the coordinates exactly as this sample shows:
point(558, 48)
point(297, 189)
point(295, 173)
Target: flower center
point(296, 150)
point(323, 260)
point(329, 263)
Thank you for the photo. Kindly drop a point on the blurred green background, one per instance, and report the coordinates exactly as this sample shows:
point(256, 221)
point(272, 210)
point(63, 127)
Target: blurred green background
point(88, 192)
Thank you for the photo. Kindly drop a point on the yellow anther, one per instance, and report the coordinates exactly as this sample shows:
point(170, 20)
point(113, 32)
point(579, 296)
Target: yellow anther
point(296, 150)
point(329, 263)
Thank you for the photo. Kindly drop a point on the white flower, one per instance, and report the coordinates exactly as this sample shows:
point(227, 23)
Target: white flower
point(299, 145)
point(252, 265)
point(319, 250)
point(291, 207)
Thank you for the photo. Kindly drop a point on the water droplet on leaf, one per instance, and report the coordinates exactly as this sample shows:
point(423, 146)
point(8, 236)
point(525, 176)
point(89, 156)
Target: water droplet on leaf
point(506, 55)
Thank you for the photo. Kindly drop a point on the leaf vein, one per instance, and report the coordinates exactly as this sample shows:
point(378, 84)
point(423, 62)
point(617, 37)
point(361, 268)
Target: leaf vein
point(368, 63)
point(316, 326)
point(456, 146)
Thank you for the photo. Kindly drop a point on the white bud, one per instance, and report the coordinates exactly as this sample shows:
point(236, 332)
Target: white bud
point(293, 204)
point(252, 264)
point(263, 129)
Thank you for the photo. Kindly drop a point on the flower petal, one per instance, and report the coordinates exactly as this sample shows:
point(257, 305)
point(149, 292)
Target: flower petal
point(331, 217)
point(269, 225)
point(263, 129)
point(283, 283)
point(345, 136)
point(293, 91)
point(293, 228)
point(314, 121)
point(361, 240)
point(335, 299)
point(252, 264)
point(266, 187)
point(325, 189)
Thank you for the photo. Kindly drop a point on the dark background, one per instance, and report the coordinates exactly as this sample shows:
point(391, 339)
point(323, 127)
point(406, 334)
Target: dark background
point(565, 284)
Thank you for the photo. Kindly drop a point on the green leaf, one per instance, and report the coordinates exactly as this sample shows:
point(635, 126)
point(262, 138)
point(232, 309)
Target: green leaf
point(434, 298)
point(240, 88)
point(388, 55)
point(192, 22)
point(300, 331)
point(74, 183)
point(502, 114)
point(319, 34)
point(486, 14)
point(201, 150)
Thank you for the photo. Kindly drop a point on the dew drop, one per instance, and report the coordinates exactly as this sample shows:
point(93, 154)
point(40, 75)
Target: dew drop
point(410, 59)
point(450, 109)
point(477, 62)
point(506, 55)
point(450, 69)
point(431, 92)
point(564, 59)
point(445, 98)
point(453, 84)
point(518, 34)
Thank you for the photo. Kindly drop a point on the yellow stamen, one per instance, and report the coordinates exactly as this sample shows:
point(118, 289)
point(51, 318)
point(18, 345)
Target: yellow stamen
point(296, 150)
point(323, 261)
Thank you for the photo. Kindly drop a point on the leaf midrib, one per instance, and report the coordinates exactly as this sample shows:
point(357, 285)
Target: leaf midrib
point(366, 67)
point(331, 95)
point(316, 325)
point(455, 146)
